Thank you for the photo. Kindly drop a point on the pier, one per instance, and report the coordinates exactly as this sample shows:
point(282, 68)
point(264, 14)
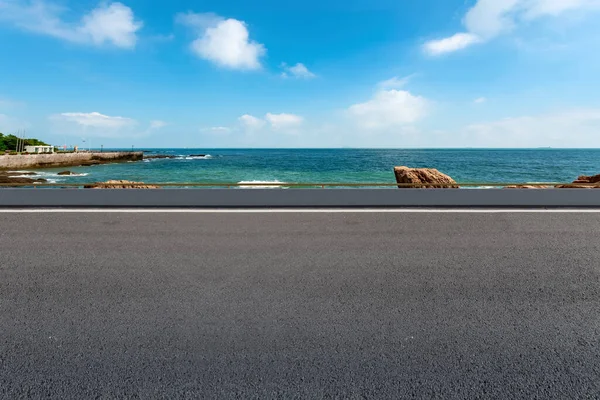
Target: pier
point(27, 161)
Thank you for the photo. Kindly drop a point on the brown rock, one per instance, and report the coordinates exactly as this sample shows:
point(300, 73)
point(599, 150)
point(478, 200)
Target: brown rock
point(583, 182)
point(588, 179)
point(90, 163)
point(66, 173)
point(428, 177)
point(579, 186)
point(8, 178)
point(120, 185)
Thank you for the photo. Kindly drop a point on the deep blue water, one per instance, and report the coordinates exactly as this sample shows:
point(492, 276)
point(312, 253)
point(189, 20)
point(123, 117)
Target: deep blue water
point(346, 165)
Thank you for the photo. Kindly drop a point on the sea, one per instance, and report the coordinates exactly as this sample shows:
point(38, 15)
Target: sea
point(340, 166)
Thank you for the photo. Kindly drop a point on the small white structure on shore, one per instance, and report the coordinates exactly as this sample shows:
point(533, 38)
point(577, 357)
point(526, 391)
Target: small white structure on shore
point(39, 149)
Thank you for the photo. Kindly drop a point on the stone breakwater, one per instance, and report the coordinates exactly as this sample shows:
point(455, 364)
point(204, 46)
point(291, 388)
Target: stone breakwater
point(14, 162)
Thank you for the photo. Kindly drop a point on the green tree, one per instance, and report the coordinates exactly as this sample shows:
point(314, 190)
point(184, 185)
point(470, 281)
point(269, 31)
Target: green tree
point(9, 142)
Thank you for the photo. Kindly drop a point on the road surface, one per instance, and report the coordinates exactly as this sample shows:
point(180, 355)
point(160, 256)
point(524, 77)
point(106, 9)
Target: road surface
point(307, 305)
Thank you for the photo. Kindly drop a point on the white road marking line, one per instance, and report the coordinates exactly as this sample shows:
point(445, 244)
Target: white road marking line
point(291, 211)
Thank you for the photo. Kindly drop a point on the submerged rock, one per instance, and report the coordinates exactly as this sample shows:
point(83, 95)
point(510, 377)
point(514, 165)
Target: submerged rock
point(66, 173)
point(423, 178)
point(120, 185)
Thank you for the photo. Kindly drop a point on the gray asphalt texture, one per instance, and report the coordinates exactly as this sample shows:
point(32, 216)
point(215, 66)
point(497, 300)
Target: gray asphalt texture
point(299, 306)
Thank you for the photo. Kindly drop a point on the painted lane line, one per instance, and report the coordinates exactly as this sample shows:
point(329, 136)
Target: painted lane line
point(300, 210)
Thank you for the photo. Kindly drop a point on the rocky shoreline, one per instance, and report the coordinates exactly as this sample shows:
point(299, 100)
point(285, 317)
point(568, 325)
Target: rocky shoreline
point(18, 178)
point(432, 178)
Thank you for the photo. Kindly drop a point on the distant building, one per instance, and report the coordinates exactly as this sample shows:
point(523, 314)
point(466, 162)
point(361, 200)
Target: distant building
point(39, 149)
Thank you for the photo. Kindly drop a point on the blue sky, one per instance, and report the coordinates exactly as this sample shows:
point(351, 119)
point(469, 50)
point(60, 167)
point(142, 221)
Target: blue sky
point(327, 73)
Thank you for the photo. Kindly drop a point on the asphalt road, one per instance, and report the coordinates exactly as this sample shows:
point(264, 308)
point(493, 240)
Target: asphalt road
point(300, 305)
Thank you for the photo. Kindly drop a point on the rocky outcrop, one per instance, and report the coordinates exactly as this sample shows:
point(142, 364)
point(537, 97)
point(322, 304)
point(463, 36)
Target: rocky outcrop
point(588, 179)
point(583, 182)
point(17, 178)
point(65, 173)
point(423, 178)
point(120, 185)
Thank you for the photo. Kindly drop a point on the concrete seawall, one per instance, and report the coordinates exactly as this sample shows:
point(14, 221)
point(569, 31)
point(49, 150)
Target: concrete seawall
point(65, 160)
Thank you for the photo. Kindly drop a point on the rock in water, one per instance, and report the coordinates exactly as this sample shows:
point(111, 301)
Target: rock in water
point(66, 173)
point(588, 179)
point(583, 182)
point(428, 177)
point(8, 178)
point(120, 185)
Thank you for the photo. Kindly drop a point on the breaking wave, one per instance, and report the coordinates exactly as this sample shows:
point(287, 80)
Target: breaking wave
point(261, 184)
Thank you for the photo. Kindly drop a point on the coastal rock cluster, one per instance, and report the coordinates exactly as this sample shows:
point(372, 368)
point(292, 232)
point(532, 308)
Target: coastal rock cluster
point(584, 182)
point(18, 178)
point(120, 185)
point(423, 178)
point(432, 178)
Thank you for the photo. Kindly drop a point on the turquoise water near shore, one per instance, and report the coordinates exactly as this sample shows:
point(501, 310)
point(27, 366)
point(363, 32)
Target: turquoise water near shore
point(342, 165)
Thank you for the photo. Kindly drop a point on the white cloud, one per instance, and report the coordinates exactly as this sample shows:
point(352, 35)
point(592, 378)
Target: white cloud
point(389, 108)
point(112, 23)
point(284, 121)
point(277, 122)
point(157, 124)
point(297, 71)
point(95, 119)
point(480, 100)
point(490, 18)
point(450, 44)
point(395, 82)
point(226, 42)
point(95, 124)
point(251, 122)
point(217, 129)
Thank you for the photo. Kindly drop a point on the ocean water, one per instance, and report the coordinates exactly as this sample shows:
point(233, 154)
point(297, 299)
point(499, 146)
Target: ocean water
point(342, 165)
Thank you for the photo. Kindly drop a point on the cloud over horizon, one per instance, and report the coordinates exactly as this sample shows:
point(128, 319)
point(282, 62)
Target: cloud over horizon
point(389, 108)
